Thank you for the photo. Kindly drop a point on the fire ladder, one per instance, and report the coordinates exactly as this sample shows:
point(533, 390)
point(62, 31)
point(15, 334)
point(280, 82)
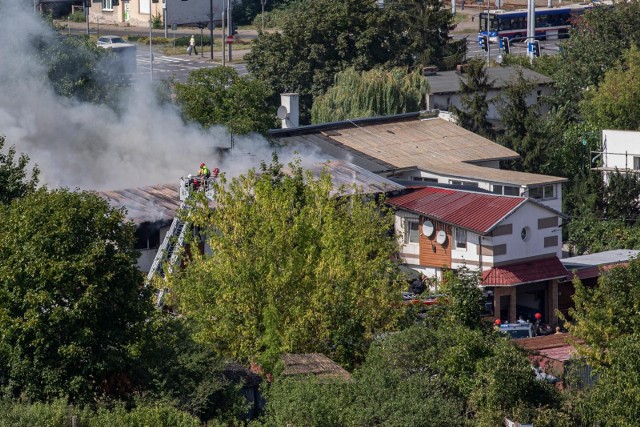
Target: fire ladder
point(171, 248)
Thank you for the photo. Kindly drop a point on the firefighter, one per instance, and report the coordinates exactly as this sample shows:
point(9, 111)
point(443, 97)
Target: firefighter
point(204, 171)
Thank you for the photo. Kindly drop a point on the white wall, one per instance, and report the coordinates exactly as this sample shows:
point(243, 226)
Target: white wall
point(147, 255)
point(619, 148)
point(410, 252)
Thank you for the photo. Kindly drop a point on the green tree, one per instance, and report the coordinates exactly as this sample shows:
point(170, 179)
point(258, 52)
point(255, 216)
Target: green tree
point(71, 296)
point(14, 182)
point(370, 94)
point(596, 45)
point(474, 109)
point(613, 104)
point(614, 400)
point(463, 302)
point(78, 69)
point(323, 38)
point(294, 268)
point(606, 312)
point(443, 375)
point(220, 96)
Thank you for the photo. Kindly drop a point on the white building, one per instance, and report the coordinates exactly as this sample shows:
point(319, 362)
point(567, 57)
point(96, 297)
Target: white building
point(620, 151)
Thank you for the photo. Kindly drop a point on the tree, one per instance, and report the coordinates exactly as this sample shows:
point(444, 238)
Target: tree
point(78, 69)
point(474, 109)
point(606, 312)
point(444, 375)
point(463, 302)
point(220, 96)
point(71, 297)
point(596, 44)
point(370, 94)
point(323, 38)
point(13, 175)
point(294, 268)
point(613, 104)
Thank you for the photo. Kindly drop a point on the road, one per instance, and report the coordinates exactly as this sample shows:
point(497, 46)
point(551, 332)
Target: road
point(547, 47)
point(177, 67)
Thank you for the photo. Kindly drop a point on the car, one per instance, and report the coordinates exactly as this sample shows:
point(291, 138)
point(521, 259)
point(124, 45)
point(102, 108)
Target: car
point(517, 330)
point(112, 41)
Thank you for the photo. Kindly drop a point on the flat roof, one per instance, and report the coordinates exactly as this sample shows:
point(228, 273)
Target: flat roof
point(615, 256)
point(449, 81)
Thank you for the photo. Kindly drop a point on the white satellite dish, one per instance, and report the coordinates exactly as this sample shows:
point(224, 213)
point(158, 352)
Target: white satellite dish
point(441, 238)
point(499, 3)
point(282, 112)
point(427, 228)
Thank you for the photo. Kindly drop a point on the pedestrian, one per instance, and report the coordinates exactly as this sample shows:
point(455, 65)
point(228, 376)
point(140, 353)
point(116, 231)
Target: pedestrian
point(192, 45)
point(472, 18)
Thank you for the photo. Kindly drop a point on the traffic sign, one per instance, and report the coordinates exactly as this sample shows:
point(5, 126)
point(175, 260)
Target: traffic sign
point(230, 40)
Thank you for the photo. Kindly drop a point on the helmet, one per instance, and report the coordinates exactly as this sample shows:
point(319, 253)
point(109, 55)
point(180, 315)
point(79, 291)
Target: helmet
point(189, 176)
point(202, 165)
point(497, 322)
point(538, 316)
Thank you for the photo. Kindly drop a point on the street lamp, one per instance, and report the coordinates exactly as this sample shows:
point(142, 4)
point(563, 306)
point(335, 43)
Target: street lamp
point(150, 44)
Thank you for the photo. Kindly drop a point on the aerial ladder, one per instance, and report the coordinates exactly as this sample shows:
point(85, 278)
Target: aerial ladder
point(170, 251)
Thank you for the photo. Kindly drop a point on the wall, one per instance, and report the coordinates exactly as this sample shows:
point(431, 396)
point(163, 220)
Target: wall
point(446, 101)
point(619, 148)
point(147, 255)
point(138, 13)
point(432, 253)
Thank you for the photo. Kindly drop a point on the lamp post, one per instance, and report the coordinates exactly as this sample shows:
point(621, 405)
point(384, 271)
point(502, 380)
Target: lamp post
point(150, 44)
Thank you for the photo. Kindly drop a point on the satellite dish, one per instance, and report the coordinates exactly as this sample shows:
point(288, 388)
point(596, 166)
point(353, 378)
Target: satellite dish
point(441, 238)
point(282, 112)
point(499, 3)
point(427, 228)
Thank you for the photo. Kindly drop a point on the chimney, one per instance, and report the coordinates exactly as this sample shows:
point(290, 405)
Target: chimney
point(289, 111)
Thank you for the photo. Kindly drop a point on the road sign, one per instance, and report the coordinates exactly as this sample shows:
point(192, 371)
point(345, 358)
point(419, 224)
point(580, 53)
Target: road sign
point(230, 40)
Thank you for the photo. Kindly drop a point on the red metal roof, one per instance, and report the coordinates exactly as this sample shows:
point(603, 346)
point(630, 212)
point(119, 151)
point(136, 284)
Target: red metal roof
point(477, 212)
point(524, 272)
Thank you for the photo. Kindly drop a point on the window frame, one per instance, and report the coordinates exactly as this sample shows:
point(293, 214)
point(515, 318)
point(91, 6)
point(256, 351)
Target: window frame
point(458, 234)
point(408, 222)
point(107, 5)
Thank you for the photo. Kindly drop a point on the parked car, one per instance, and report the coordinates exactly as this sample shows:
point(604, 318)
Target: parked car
point(112, 41)
point(517, 330)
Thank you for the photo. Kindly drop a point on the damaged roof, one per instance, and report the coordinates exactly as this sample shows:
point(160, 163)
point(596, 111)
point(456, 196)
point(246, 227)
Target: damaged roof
point(146, 204)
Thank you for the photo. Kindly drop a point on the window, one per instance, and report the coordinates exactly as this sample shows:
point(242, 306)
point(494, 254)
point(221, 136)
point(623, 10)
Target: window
point(460, 238)
point(411, 234)
point(422, 179)
point(540, 193)
point(107, 5)
point(636, 163)
point(525, 233)
point(466, 183)
point(511, 191)
point(147, 237)
point(497, 189)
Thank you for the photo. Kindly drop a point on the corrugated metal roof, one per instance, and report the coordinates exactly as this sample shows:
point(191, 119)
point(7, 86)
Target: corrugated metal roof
point(146, 204)
point(477, 212)
point(524, 272)
point(345, 174)
point(160, 202)
point(449, 81)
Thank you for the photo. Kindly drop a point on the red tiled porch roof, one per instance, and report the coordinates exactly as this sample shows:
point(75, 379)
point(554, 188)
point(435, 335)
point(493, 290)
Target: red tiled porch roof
point(524, 272)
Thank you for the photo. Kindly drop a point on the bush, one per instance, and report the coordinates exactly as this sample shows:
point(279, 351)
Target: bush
point(156, 21)
point(59, 414)
point(77, 17)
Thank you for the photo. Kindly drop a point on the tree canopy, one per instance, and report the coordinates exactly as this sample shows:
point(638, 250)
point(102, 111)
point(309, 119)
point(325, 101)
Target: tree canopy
point(14, 182)
point(370, 94)
point(324, 37)
point(294, 268)
point(71, 296)
point(472, 115)
point(219, 96)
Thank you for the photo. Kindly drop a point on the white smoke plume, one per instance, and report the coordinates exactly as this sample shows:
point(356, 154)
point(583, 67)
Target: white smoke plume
point(91, 147)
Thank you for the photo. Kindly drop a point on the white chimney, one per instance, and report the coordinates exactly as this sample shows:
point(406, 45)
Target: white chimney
point(289, 111)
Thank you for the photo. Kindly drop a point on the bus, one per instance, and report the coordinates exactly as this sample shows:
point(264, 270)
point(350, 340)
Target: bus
point(551, 23)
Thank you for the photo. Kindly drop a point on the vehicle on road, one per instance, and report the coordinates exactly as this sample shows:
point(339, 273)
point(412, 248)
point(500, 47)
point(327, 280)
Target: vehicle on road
point(124, 58)
point(112, 41)
point(551, 23)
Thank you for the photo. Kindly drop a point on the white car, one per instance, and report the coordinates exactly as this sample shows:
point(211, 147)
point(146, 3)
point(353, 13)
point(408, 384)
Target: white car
point(112, 41)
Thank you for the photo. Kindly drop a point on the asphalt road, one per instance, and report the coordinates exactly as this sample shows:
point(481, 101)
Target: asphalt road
point(547, 47)
point(176, 67)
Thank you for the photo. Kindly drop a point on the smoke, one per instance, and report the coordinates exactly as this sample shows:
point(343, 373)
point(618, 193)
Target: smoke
point(90, 146)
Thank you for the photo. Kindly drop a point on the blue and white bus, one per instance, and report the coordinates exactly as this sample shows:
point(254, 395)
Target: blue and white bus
point(551, 23)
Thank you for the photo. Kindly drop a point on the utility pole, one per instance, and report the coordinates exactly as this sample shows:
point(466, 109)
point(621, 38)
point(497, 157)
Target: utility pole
point(489, 33)
point(229, 27)
point(263, 2)
point(531, 27)
point(86, 13)
point(164, 19)
point(224, 57)
point(150, 44)
point(211, 27)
